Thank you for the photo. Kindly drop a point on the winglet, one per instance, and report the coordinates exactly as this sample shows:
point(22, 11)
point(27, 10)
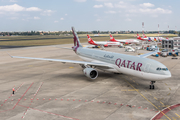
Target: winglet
point(10, 55)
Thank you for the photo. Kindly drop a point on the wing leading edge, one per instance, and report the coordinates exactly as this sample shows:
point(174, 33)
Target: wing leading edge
point(68, 61)
point(148, 54)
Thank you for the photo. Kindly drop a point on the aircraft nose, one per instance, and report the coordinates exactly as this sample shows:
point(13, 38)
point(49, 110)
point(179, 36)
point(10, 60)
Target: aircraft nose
point(168, 74)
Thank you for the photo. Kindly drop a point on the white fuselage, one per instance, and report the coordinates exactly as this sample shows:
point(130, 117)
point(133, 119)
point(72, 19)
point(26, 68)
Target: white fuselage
point(107, 43)
point(128, 41)
point(120, 63)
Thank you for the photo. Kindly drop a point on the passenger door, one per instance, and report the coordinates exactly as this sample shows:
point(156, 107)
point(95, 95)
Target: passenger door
point(146, 69)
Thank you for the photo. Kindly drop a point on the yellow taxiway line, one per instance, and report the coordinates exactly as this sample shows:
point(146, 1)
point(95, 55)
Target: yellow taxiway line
point(148, 100)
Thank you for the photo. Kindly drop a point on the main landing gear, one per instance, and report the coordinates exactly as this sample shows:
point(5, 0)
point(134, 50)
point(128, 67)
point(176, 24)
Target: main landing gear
point(152, 85)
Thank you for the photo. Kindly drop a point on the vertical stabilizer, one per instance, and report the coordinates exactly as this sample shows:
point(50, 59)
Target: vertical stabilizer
point(112, 39)
point(138, 37)
point(77, 43)
point(90, 41)
point(144, 36)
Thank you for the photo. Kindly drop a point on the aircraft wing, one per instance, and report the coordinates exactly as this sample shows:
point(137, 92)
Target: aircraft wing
point(68, 61)
point(148, 54)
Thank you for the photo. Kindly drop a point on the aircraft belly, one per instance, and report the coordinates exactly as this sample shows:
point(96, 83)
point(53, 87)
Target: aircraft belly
point(141, 74)
point(153, 77)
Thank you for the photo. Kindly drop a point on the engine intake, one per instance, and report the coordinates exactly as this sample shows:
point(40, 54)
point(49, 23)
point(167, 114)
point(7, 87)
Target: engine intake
point(90, 73)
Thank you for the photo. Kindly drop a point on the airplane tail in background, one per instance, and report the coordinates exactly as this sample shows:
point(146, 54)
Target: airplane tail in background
point(144, 36)
point(77, 43)
point(138, 37)
point(90, 41)
point(112, 39)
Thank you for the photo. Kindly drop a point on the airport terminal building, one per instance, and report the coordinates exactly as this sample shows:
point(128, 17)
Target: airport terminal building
point(176, 42)
point(173, 43)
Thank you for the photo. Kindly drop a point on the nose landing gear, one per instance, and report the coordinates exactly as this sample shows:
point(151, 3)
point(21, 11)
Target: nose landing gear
point(152, 85)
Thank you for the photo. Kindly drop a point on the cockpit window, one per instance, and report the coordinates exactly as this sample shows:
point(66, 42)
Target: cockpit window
point(162, 69)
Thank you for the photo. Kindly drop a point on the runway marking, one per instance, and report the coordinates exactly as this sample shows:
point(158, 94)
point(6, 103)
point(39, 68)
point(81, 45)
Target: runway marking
point(165, 83)
point(11, 95)
point(169, 88)
point(49, 112)
point(161, 103)
point(173, 118)
point(23, 95)
point(71, 67)
point(169, 93)
point(32, 99)
point(177, 115)
point(137, 84)
point(148, 100)
point(19, 87)
point(5, 110)
point(155, 98)
point(165, 110)
point(129, 90)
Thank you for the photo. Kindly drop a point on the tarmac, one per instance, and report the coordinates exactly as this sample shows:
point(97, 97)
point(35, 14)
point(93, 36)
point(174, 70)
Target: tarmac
point(47, 90)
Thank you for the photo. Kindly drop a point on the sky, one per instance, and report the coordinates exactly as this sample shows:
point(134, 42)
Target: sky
point(89, 15)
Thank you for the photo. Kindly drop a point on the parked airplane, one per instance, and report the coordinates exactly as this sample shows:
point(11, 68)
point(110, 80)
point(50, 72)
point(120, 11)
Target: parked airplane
point(139, 66)
point(149, 38)
point(143, 39)
point(125, 41)
point(104, 43)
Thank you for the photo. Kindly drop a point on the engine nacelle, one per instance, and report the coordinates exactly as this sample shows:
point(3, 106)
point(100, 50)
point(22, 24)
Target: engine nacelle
point(90, 73)
point(126, 43)
point(106, 45)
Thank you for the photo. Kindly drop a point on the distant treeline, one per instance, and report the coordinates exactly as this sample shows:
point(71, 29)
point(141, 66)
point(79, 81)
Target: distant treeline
point(84, 32)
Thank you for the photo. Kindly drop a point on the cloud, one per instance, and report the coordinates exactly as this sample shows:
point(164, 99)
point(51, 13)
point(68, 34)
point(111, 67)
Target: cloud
point(12, 8)
point(157, 11)
point(98, 6)
point(17, 8)
point(33, 9)
point(111, 12)
point(147, 5)
point(128, 19)
point(102, 0)
point(13, 1)
point(80, 0)
point(62, 19)
point(47, 12)
point(110, 5)
point(56, 21)
point(66, 14)
point(98, 20)
point(36, 18)
point(121, 4)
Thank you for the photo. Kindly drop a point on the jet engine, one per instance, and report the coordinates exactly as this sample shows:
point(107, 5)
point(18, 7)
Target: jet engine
point(126, 43)
point(106, 45)
point(90, 73)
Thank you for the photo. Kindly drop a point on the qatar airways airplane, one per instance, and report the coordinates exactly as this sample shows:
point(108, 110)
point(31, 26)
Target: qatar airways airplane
point(139, 66)
point(104, 43)
point(125, 41)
